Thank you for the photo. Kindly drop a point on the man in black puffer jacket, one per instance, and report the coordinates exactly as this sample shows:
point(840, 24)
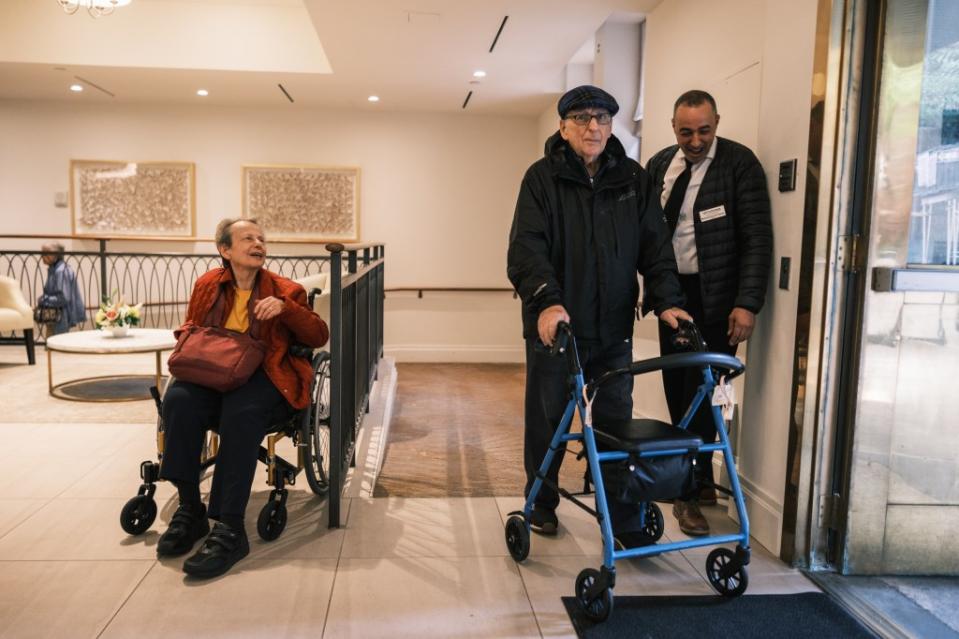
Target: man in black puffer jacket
point(713, 193)
point(587, 221)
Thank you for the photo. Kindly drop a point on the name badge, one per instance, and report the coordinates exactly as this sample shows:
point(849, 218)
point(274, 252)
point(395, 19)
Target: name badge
point(712, 214)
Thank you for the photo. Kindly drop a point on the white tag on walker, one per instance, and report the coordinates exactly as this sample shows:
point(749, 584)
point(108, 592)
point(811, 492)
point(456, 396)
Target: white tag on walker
point(725, 395)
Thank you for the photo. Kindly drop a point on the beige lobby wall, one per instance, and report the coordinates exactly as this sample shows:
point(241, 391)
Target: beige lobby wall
point(438, 189)
point(755, 57)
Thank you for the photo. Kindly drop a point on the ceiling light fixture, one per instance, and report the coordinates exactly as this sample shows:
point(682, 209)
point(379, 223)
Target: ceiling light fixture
point(202, 93)
point(374, 98)
point(479, 74)
point(95, 8)
point(76, 88)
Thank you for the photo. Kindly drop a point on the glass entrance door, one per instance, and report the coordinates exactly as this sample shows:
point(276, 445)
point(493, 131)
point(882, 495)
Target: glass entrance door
point(903, 494)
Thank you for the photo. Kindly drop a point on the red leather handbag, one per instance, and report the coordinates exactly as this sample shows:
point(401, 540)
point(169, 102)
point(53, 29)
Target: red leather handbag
point(215, 357)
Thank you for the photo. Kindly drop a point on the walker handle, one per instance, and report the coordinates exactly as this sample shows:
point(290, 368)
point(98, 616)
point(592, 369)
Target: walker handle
point(563, 332)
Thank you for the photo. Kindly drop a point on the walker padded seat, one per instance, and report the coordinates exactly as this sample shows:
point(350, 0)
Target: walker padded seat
point(644, 436)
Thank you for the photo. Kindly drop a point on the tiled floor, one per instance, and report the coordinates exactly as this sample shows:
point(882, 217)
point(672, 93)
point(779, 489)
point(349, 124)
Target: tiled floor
point(397, 567)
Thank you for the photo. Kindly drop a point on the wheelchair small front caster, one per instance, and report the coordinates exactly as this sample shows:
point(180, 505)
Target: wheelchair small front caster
point(593, 595)
point(138, 514)
point(272, 520)
point(517, 537)
point(726, 572)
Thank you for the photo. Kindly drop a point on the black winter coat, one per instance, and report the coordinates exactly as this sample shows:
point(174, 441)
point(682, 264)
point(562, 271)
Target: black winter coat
point(559, 210)
point(734, 251)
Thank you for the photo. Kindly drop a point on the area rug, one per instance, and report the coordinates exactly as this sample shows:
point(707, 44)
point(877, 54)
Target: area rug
point(457, 431)
point(808, 615)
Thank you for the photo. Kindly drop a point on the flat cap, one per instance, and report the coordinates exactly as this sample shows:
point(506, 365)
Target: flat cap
point(585, 97)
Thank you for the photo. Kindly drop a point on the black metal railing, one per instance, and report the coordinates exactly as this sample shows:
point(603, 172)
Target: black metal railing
point(356, 346)
point(162, 282)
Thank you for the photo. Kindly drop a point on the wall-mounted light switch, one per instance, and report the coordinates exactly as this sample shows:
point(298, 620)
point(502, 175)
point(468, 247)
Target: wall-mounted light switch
point(784, 266)
point(787, 176)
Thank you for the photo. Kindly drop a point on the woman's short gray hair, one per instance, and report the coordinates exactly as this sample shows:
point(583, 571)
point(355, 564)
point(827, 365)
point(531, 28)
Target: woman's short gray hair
point(224, 230)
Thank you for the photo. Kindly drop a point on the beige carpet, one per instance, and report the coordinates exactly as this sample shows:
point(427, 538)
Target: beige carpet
point(457, 430)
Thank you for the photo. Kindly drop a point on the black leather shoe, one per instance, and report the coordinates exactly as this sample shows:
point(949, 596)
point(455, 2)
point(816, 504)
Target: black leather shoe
point(223, 548)
point(543, 520)
point(186, 527)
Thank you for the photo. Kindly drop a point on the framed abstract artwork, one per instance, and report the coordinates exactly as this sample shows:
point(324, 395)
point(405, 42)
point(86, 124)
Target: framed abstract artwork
point(304, 202)
point(133, 199)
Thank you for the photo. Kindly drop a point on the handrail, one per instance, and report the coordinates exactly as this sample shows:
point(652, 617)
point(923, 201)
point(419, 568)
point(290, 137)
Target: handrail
point(451, 289)
point(122, 238)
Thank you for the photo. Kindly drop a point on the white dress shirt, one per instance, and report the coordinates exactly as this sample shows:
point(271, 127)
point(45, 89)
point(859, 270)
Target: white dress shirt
point(684, 239)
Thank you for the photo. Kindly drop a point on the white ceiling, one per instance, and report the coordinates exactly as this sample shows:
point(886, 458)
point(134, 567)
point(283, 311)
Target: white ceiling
point(417, 55)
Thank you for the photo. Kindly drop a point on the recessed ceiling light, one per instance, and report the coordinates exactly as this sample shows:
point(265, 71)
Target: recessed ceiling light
point(202, 93)
point(374, 98)
point(479, 74)
point(76, 88)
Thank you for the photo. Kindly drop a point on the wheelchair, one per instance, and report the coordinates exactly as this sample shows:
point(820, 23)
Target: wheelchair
point(309, 429)
point(646, 448)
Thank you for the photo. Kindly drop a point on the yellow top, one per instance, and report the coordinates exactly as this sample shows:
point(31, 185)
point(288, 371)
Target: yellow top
point(238, 320)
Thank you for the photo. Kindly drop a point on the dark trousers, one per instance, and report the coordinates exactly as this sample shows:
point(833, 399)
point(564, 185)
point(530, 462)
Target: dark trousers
point(243, 417)
point(547, 394)
point(681, 384)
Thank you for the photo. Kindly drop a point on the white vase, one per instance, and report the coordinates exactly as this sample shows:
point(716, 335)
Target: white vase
point(119, 331)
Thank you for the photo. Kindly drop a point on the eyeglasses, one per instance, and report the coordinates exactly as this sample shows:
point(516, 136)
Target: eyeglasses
point(583, 119)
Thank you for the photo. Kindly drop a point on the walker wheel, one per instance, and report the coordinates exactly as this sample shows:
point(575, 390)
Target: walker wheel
point(517, 538)
point(138, 514)
point(655, 525)
point(272, 520)
point(725, 573)
point(597, 609)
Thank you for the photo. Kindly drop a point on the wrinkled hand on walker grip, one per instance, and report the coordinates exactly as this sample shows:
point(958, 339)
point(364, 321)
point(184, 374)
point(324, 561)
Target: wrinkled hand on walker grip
point(688, 338)
point(563, 331)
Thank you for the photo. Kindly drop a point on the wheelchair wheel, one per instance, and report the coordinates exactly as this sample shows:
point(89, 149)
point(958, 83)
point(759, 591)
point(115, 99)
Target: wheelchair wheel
point(655, 525)
point(599, 608)
point(725, 574)
point(272, 521)
point(316, 431)
point(517, 538)
point(138, 514)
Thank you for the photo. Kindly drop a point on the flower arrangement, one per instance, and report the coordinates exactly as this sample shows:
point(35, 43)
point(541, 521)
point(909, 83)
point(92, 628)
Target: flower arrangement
point(114, 313)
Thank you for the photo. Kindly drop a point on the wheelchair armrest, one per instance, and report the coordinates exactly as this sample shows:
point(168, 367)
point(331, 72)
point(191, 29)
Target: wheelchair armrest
point(313, 293)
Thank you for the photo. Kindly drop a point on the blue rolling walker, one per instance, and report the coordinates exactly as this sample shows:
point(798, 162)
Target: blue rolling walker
point(641, 442)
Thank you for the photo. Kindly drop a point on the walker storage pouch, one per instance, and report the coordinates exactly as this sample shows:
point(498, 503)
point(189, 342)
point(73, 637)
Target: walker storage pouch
point(642, 479)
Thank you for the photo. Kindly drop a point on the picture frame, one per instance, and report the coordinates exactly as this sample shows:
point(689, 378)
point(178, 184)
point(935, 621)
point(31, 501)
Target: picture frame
point(303, 202)
point(138, 200)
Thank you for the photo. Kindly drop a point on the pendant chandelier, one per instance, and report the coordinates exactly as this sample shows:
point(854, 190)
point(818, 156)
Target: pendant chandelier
point(95, 8)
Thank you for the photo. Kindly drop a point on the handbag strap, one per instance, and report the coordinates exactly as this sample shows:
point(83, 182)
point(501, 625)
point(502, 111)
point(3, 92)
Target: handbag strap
point(218, 312)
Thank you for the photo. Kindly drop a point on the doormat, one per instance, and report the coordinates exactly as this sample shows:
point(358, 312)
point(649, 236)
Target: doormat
point(801, 616)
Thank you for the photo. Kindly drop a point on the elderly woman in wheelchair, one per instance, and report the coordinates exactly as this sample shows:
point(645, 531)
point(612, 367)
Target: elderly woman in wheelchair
point(246, 299)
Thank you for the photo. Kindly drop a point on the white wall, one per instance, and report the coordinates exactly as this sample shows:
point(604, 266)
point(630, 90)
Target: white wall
point(755, 57)
point(438, 189)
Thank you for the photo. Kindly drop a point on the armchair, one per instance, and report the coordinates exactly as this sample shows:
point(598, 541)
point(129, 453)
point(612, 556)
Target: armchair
point(16, 314)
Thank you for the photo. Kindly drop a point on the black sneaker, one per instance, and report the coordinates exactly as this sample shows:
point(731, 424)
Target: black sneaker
point(631, 539)
point(186, 528)
point(223, 548)
point(543, 520)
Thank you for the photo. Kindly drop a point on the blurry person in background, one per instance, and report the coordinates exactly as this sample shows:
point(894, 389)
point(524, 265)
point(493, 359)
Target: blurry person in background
point(60, 291)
